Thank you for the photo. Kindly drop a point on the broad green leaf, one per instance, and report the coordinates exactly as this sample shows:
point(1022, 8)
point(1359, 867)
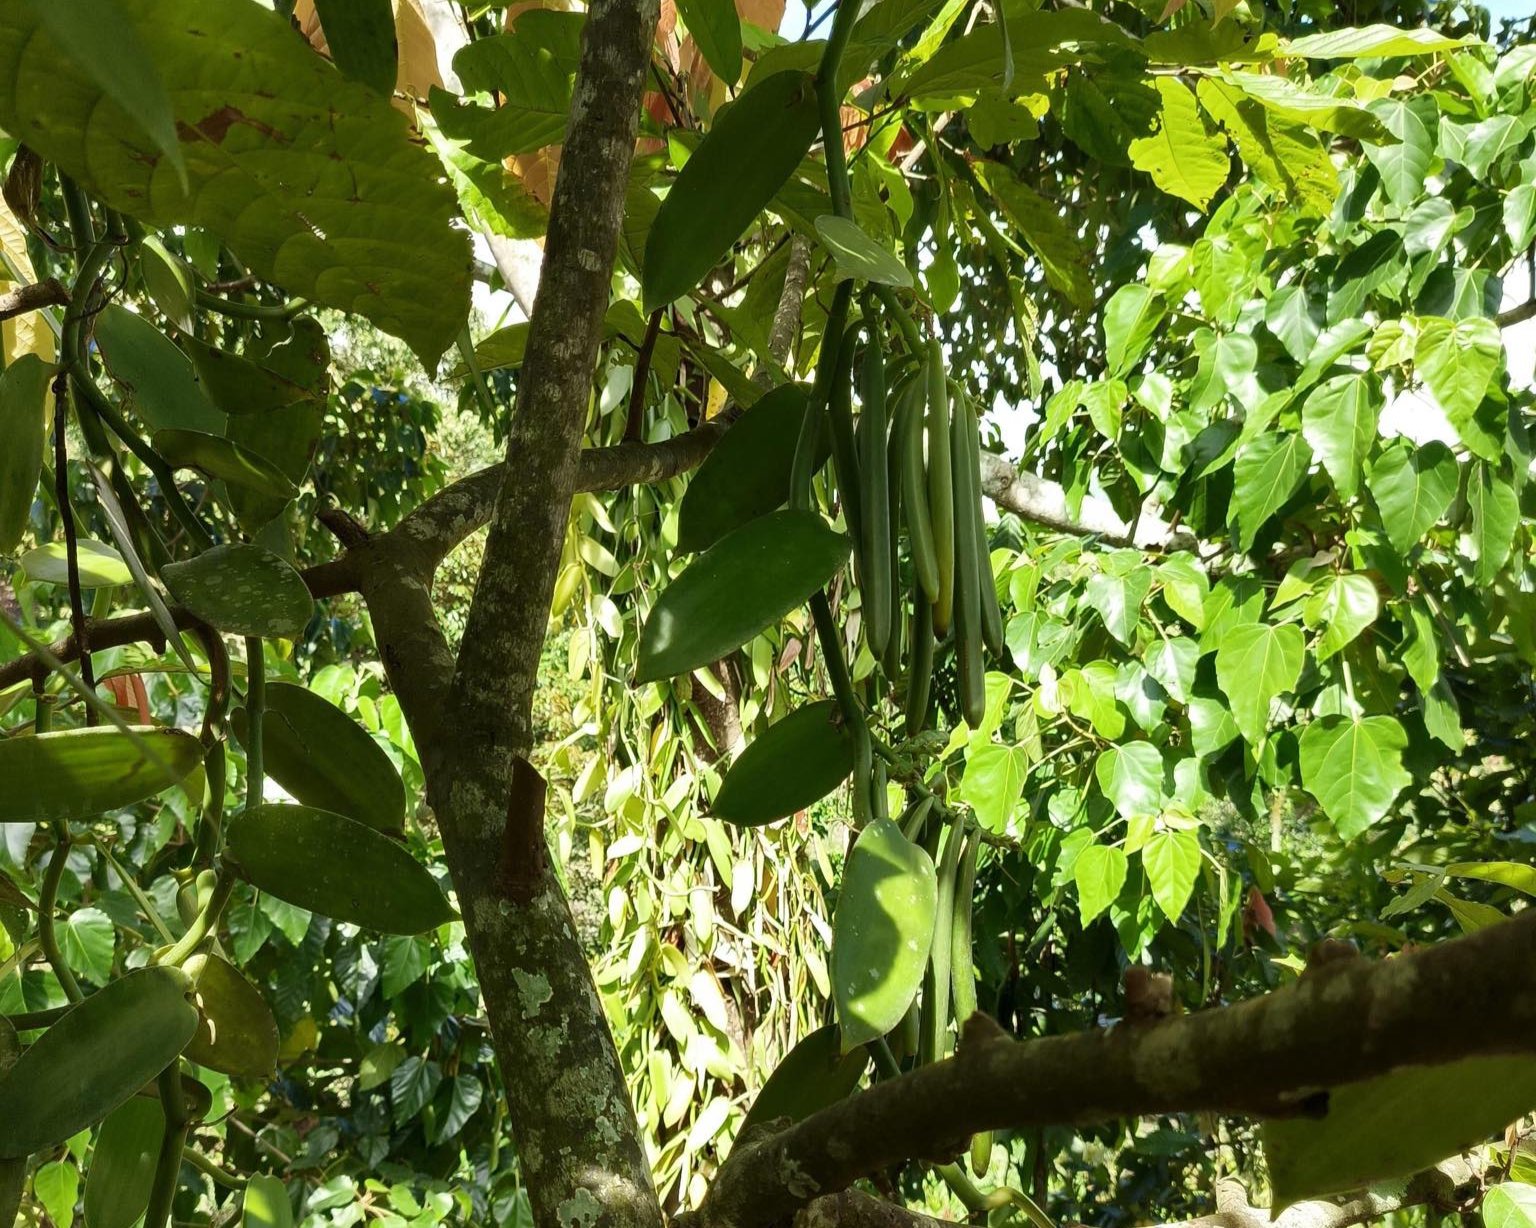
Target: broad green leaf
point(1037, 43)
point(1511, 1204)
point(1344, 606)
point(814, 1074)
point(100, 566)
point(337, 867)
point(412, 1085)
point(1404, 164)
point(236, 1033)
point(1103, 114)
point(56, 1185)
point(1308, 105)
point(1412, 486)
point(107, 50)
point(101, 1052)
point(265, 1204)
point(881, 932)
point(325, 759)
point(1185, 587)
point(1234, 601)
point(531, 70)
point(217, 457)
point(360, 35)
point(1211, 726)
point(171, 283)
point(1296, 319)
point(88, 939)
point(1395, 1125)
point(994, 782)
point(796, 762)
point(238, 385)
point(465, 1094)
point(1268, 472)
point(1131, 320)
point(158, 382)
point(1172, 862)
point(122, 1169)
point(1172, 662)
point(1458, 361)
point(1354, 767)
point(1131, 777)
point(1377, 41)
point(1280, 151)
point(1495, 517)
point(1255, 664)
point(243, 590)
point(1099, 872)
point(313, 181)
point(1333, 343)
point(403, 961)
point(1118, 600)
point(1185, 157)
point(82, 773)
point(746, 157)
point(739, 587)
point(717, 30)
point(1338, 420)
point(746, 475)
point(24, 427)
point(1063, 256)
point(1514, 874)
point(857, 256)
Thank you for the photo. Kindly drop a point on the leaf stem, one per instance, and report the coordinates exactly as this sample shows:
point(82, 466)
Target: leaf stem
point(168, 1167)
point(202, 924)
point(47, 903)
point(255, 710)
point(71, 541)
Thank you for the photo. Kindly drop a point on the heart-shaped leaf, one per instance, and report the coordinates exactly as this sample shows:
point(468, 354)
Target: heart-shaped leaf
point(325, 759)
point(882, 932)
point(95, 1057)
point(740, 586)
point(81, 773)
point(242, 589)
point(1354, 767)
point(337, 867)
point(1256, 663)
point(793, 764)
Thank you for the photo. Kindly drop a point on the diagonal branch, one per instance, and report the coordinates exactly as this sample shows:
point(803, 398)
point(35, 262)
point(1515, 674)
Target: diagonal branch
point(1271, 1056)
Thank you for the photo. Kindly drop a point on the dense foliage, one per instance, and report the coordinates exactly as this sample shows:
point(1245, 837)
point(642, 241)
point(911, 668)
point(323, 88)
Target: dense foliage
point(1240, 664)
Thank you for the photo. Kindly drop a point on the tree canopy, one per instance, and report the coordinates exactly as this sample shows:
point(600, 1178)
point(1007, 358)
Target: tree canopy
point(626, 613)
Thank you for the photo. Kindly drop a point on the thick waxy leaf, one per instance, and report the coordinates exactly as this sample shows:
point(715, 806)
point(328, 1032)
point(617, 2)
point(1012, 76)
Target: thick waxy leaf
point(337, 867)
point(1338, 420)
point(795, 763)
point(1458, 360)
point(1186, 157)
point(1255, 664)
point(313, 180)
point(1099, 873)
point(325, 759)
point(1343, 606)
point(219, 458)
point(266, 1204)
point(746, 475)
point(100, 566)
point(1172, 862)
point(80, 773)
point(122, 1170)
point(360, 35)
point(1267, 473)
point(94, 1058)
point(741, 585)
point(717, 30)
point(1412, 486)
point(882, 932)
point(1354, 767)
point(1131, 777)
point(170, 282)
point(156, 378)
point(239, 386)
point(236, 1033)
point(749, 154)
point(1396, 1124)
point(814, 1074)
point(858, 256)
point(242, 589)
point(23, 427)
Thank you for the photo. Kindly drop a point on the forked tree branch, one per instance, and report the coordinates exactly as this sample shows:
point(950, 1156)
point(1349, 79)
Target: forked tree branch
point(1276, 1055)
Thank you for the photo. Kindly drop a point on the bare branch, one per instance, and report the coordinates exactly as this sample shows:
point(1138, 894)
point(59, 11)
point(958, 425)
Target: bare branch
point(46, 293)
point(1276, 1055)
point(1043, 502)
